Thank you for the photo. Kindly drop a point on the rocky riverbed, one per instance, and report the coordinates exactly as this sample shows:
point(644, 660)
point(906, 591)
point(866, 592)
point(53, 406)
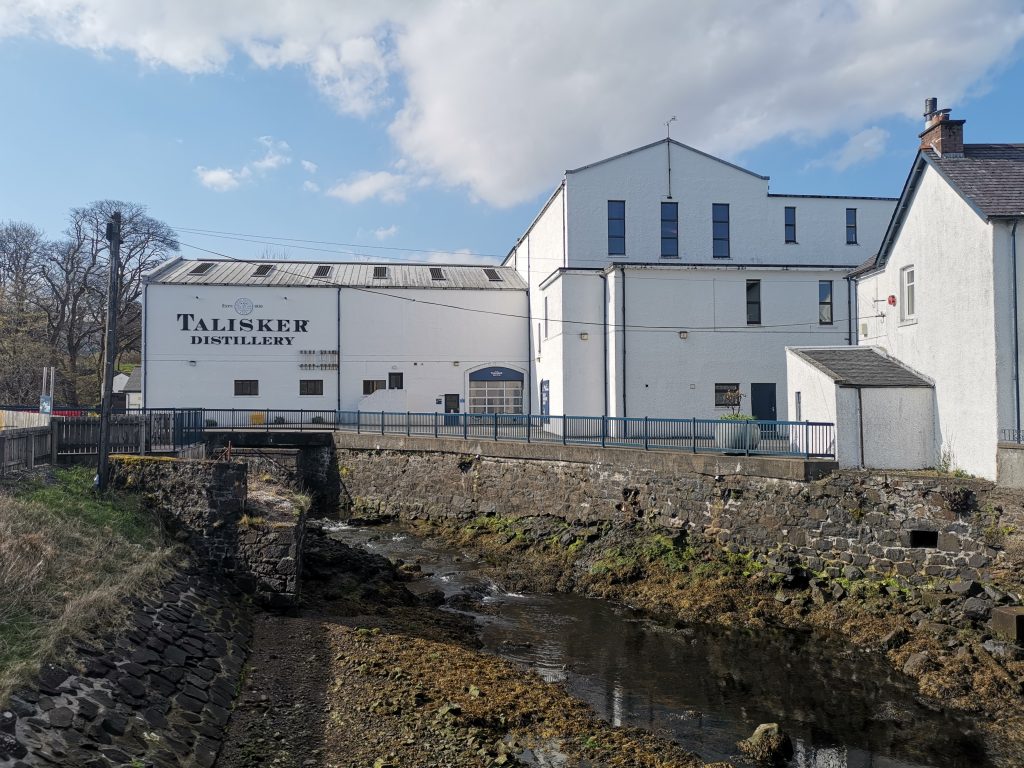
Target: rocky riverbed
point(368, 674)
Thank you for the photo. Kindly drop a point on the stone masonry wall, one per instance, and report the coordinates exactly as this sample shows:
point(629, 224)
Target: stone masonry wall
point(157, 694)
point(848, 524)
point(204, 504)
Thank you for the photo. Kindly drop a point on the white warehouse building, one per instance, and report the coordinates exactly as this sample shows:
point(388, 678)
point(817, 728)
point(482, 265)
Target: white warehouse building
point(666, 282)
point(338, 336)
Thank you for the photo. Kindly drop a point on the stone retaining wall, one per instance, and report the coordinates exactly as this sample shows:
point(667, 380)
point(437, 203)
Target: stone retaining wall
point(158, 694)
point(848, 524)
point(204, 504)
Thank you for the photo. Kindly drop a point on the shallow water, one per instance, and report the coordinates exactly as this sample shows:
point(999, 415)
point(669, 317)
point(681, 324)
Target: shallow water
point(703, 687)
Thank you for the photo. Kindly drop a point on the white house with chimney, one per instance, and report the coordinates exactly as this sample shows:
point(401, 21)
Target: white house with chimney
point(943, 294)
point(664, 282)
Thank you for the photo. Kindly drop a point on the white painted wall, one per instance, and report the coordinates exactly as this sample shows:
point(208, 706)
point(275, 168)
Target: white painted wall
point(818, 402)
point(898, 427)
point(698, 181)
point(953, 340)
point(382, 331)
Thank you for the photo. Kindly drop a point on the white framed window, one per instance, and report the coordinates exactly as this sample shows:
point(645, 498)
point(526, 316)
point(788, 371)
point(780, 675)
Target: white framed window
point(908, 293)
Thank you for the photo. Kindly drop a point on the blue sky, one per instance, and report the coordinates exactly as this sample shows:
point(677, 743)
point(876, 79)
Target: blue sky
point(444, 128)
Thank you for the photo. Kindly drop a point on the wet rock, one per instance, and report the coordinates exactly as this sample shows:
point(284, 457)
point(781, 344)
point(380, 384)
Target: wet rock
point(768, 744)
point(916, 664)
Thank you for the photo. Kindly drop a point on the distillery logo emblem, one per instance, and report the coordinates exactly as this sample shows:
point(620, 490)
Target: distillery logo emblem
point(243, 306)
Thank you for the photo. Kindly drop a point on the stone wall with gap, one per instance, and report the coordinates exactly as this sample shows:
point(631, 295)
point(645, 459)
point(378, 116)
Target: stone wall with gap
point(204, 504)
point(914, 530)
point(158, 693)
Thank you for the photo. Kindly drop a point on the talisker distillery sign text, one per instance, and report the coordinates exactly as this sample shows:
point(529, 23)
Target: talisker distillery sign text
point(241, 331)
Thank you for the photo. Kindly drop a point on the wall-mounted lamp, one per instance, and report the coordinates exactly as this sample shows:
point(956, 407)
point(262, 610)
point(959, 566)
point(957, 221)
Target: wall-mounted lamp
point(192, 363)
point(684, 335)
point(455, 363)
point(584, 336)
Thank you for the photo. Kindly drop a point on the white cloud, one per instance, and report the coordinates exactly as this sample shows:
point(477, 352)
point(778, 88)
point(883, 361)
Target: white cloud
point(862, 147)
point(221, 179)
point(310, 186)
point(382, 233)
point(485, 96)
point(459, 256)
point(309, 166)
point(226, 179)
point(388, 187)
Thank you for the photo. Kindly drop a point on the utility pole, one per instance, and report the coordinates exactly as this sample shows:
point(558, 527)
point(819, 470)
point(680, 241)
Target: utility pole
point(109, 347)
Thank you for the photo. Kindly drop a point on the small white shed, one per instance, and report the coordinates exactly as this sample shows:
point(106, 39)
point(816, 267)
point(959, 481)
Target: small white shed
point(884, 412)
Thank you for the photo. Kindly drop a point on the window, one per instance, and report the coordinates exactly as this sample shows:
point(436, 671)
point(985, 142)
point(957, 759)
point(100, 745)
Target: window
point(396, 381)
point(545, 317)
point(263, 270)
point(851, 226)
point(492, 275)
point(311, 386)
point(790, 224)
point(907, 291)
point(824, 302)
point(798, 406)
point(436, 273)
point(727, 394)
point(247, 387)
point(616, 227)
point(202, 269)
point(372, 385)
point(753, 302)
point(720, 230)
point(495, 397)
point(380, 273)
point(670, 230)
point(322, 271)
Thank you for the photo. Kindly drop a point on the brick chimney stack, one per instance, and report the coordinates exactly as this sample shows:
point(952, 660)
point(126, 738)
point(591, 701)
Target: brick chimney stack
point(943, 136)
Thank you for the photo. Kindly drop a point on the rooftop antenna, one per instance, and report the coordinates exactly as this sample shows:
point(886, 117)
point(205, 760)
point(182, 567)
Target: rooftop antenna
point(668, 151)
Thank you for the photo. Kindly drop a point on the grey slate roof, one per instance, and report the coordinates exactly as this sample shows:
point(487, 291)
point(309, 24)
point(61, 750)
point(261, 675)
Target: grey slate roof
point(344, 274)
point(990, 175)
point(134, 383)
point(861, 367)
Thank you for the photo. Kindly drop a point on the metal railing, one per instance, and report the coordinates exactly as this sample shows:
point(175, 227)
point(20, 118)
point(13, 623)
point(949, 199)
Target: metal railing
point(176, 427)
point(1011, 435)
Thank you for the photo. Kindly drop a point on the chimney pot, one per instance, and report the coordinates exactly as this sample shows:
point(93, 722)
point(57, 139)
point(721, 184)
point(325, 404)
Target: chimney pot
point(930, 105)
point(943, 136)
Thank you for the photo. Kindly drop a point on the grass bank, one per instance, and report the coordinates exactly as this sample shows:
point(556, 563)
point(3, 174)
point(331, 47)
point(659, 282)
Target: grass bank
point(68, 559)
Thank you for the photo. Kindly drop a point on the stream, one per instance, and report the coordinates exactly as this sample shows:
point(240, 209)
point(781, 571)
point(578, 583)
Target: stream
point(704, 687)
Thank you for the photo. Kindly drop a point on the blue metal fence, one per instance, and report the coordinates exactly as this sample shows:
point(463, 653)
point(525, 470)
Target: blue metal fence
point(805, 439)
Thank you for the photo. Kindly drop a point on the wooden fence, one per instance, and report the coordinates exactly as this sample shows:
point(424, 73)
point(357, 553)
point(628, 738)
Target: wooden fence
point(24, 448)
point(21, 419)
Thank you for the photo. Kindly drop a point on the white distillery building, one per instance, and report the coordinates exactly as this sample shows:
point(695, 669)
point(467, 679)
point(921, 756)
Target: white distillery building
point(337, 336)
point(665, 282)
point(943, 295)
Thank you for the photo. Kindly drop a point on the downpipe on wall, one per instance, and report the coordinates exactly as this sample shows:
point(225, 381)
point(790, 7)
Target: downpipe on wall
point(1016, 329)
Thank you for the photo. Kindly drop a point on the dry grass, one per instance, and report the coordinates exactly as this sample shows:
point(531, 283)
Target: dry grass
point(68, 559)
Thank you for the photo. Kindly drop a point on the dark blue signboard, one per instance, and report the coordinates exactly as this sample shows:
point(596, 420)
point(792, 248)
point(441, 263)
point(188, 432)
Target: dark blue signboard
point(496, 373)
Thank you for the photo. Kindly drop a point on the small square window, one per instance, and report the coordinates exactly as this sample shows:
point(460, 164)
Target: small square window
point(372, 385)
point(720, 230)
point(247, 387)
point(790, 224)
point(436, 273)
point(825, 302)
point(263, 270)
point(670, 230)
point(753, 302)
point(396, 381)
point(851, 226)
point(492, 275)
point(908, 294)
point(727, 395)
point(311, 386)
point(616, 227)
point(322, 271)
point(380, 273)
point(202, 269)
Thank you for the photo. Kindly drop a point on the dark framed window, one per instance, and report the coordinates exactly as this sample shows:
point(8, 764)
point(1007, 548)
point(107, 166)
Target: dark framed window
point(753, 302)
point(396, 381)
point(372, 385)
point(311, 386)
point(616, 227)
point(824, 302)
point(720, 230)
point(247, 387)
point(727, 394)
point(790, 224)
point(670, 230)
point(851, 226)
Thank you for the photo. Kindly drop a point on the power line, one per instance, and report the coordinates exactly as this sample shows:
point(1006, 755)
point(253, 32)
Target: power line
point(288, 242)
point(328, 283)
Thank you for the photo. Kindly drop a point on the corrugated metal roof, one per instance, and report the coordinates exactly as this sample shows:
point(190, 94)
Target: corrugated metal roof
point(861, 367)
point(344, 274)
